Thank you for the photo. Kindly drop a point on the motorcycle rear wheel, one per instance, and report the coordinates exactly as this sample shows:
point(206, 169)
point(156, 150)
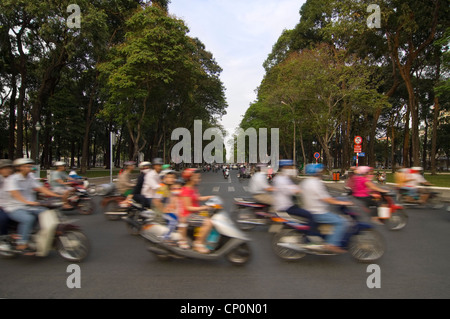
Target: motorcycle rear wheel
point(288, 236)
point(367, 246)
point(240, 255)
point(73, 246)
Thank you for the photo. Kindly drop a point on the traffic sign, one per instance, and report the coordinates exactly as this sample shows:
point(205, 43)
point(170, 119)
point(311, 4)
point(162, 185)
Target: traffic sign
point(316, 155)
point(361, 154)
point(358, 149)
point(358, 140)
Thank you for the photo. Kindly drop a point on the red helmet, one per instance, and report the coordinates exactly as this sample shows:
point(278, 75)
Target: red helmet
point(188, 172)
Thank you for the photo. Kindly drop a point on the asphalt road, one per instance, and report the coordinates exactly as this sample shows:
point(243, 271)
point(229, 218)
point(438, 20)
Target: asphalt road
point(416, 265)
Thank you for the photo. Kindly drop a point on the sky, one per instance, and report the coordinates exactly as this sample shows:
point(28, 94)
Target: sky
point(240, 35)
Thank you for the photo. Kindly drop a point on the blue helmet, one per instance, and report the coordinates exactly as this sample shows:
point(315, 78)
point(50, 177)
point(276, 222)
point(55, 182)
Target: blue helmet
point(313, 169)
point(285, 162)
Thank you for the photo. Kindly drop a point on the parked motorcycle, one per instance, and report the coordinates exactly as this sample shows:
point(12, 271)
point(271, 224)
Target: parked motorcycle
point(293, 239)
point(224, 240)
point(249, 213)
point(51, 232)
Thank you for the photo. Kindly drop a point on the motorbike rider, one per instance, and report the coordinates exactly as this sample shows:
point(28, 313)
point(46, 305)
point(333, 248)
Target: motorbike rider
point(152, 180)
point(137, 190)
point(191, 207)
point(316, 199)
point(285, 190)
point(414, 180)
point(366, 191)
point(163, 193)
point(60, 181)
point(124, 183)
point(6, 169)
point(260, 187)
point(20, 200)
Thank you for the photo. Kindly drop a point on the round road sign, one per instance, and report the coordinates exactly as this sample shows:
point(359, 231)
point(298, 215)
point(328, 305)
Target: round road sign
point(358, 140)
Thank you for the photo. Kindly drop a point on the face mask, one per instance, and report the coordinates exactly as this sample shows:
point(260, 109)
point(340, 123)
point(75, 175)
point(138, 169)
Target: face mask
point(176, 192)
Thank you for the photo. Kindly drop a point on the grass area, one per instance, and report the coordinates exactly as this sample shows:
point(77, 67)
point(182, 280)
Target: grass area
point(96, 172)
point(440, 180)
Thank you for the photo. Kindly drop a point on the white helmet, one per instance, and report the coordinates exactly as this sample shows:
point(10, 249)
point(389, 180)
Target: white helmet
point(60, 163)
point(22, 161)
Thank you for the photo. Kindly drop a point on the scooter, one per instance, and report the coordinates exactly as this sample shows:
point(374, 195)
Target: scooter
point(293, 239)
point(224, 240)
point(80, 198)
point(249, 213)
point(51, 232)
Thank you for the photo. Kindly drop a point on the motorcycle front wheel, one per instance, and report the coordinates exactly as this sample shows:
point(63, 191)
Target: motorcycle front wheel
point(86, 206)
point(73, 246)
point(367, 246)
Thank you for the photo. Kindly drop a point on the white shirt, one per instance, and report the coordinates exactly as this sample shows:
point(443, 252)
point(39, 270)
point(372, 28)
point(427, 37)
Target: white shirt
point(284, 190)
point(258, 183)
point(151, 184)
point(416, 180)
point(313, 193)
point(25, 185)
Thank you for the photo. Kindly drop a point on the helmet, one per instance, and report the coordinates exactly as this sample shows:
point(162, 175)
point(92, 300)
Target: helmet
point(166, 167)
point(285, 162)
point(158, 161)
point(5, 163)
point(167, 171)
point(313, 169)
point(143, 164)
point(362, 170)
point(22, 161)
point(188, 172)
point(416, 169)
point(129, 163)
point(60, 163)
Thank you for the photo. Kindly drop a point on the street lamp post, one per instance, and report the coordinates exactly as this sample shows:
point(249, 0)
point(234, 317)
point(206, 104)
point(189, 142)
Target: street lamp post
point(38, 128)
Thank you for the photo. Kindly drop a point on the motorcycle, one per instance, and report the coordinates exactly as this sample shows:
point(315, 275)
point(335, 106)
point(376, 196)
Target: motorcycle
point(381, 177)
point(434, 201)
point(80, 198)
point(112, 202)
point(293, 239)
point(249, 213)
point(393, 215)
point(136, 216)
point(51, 232)
point(224, 240)
point(226, 173)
